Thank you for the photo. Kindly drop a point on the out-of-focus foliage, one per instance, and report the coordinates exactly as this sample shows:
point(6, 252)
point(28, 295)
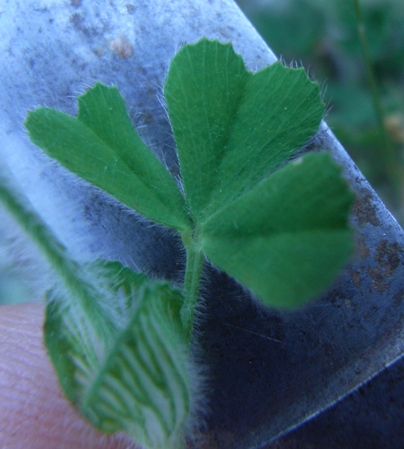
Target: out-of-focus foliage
point(323, 36)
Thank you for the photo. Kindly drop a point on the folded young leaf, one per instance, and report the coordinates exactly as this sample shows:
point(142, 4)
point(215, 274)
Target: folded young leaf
point(139, 383)
point(103, 314)
point(233, 127)
point(72, 336)
point(102, 147)
point(287, 238)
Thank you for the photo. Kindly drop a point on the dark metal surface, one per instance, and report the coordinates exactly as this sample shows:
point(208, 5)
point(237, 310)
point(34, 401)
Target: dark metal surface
point(269, 371)
point(370, 418)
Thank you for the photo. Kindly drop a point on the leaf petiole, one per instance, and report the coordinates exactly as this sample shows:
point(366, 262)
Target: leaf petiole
point(192, 278)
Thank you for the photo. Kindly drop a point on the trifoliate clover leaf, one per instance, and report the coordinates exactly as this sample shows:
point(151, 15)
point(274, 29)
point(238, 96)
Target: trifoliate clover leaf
point(234, 131)
point(102, 147)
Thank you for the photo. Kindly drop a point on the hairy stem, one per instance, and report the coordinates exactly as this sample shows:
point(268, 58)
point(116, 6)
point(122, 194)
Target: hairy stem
point(70, 272)
point(193, 271)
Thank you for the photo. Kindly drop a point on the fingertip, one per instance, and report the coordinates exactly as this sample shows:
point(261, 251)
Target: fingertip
point(34, 411)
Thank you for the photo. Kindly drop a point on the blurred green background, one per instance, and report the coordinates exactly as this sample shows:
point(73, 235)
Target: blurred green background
point(323, 36)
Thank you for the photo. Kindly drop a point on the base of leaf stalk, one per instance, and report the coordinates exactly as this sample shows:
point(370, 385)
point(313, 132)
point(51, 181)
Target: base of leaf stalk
point(192, 278)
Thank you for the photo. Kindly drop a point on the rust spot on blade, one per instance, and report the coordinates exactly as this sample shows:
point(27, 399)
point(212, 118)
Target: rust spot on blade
point(365, 210)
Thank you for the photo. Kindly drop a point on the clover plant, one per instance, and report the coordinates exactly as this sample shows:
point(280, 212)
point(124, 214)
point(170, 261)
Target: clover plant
point(246, 202)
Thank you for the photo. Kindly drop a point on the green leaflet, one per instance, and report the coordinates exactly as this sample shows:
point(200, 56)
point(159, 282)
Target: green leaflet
point(288, 237)
point(233, 127)
point(139, 381)
point(102, 147)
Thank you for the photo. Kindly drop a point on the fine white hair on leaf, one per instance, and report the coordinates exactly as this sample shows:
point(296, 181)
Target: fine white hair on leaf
point(22, 262)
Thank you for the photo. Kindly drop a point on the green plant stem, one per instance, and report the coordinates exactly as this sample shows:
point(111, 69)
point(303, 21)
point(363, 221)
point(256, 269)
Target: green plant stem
point(193, 271)
point(388, 154)
point(70, 272)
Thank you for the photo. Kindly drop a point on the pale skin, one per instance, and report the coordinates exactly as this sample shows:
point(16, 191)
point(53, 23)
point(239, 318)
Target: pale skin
point(33, 410)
